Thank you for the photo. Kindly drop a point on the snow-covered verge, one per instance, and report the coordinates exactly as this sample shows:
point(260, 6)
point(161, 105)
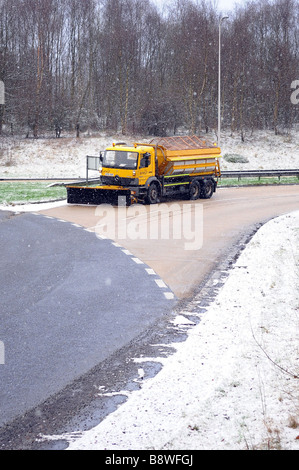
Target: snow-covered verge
point(66, 157)
point(233, 384)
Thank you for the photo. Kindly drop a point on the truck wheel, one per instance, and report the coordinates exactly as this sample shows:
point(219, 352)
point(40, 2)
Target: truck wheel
point(207, 189)
point(153, 194)
point(194, 190)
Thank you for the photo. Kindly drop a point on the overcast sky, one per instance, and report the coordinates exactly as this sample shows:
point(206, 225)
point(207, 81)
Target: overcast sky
point(223, 5)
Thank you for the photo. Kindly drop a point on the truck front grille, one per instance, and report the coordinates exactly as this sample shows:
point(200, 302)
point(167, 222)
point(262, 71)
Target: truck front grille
point(118, 181)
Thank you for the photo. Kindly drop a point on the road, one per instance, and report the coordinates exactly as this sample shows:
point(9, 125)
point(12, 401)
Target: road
point(229, 214)
point(70, 299)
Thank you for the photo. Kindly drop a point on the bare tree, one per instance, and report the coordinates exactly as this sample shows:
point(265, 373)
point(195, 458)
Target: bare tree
point(122, 64)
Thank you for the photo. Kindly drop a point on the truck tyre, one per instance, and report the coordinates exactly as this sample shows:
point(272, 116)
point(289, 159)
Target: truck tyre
point(153, 194)
point(207, 189)
point(194, 190)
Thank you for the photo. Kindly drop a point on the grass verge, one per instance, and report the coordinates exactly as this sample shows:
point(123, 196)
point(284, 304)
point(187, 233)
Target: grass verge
point(26, 192)
point(263, 181)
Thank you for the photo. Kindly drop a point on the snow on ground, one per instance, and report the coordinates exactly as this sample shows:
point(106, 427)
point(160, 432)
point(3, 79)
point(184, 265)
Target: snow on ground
point(231, 384)
point(34, 207)
point(66, 157)
point(263, 150)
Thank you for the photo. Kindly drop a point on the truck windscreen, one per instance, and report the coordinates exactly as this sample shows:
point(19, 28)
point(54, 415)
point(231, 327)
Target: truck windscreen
point(120, 159)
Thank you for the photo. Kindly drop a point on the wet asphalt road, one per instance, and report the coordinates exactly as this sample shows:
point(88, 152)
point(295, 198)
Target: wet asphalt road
point(229, 214)
point(68, 301)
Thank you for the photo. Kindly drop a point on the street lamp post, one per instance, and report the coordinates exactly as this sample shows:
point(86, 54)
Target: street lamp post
point(219, 80)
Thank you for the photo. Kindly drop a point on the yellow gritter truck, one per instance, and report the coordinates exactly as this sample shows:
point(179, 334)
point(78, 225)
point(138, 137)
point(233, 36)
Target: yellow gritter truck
point(180, 166)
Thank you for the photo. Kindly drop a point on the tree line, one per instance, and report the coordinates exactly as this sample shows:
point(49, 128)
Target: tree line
point(127, 66)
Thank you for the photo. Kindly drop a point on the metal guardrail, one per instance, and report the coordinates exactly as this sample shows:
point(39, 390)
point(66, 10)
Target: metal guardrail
point(33, 179)
point(259, 173)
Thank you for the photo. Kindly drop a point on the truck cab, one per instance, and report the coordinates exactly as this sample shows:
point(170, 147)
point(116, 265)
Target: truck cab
point(127, 166)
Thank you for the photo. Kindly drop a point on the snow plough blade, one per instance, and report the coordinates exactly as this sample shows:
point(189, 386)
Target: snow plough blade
point(97, 195)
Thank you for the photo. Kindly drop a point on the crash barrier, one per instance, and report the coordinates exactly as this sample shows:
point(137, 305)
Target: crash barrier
point(259, 174)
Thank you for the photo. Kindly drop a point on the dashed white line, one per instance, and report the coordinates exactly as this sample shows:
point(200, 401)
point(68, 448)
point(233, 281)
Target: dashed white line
point(160, 283)
point(137, 260)
point(127, 252)
point(150, 271)
point(169, 295)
